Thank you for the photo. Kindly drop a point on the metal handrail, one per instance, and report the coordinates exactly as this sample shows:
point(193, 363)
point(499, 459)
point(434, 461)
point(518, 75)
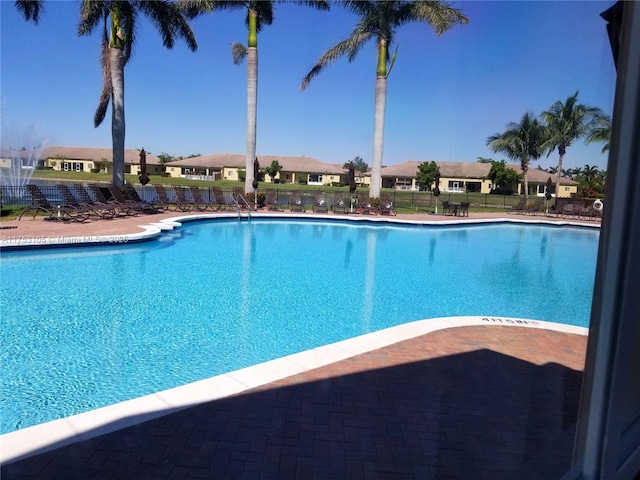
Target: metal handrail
point(239, 208)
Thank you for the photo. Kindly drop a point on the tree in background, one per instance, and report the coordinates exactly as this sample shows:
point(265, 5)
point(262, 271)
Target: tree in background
point(502, 177)
point(521, 142)
point(273, 170)
point(567, 122)
point(358, 164)
point(379, 21)
point(426, 175)
point(259, 14)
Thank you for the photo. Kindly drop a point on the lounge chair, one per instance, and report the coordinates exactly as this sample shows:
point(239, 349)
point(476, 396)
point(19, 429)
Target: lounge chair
point(320, 203)
point(132, 195)
point(200, 203)
point(122, 199)
point(295, 202)
point(340, 205)
point(365, 205)
point(463, 209)
point(123, 208)
point(225, 201)
point(386, 205)
point(536, 207)
point(242, 200)
point(106, 212)
point(63, 212)
point(520, 207)
point(162, 197)
point(85, 197)
point(182, 199)
point(271, 200)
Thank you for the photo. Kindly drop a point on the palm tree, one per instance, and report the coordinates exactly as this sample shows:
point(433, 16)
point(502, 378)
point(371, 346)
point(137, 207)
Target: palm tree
point(601, 133)
point(567, 122)
point(379, 20)
point(30, 9)
point(259, 14)
point(118, 18)
point(119, 21)
point(520, 142)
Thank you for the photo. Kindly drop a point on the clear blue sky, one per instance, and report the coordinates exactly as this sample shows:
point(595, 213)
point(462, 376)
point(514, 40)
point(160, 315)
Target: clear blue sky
point(445, 95)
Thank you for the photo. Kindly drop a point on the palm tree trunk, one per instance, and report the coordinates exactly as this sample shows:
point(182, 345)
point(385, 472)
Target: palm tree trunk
point(378, 135)
point(252, 113)
point(117, 119)
point(524, 166)
point(560, 158)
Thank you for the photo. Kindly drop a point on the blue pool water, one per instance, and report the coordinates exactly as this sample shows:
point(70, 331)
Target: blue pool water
point(84, 328)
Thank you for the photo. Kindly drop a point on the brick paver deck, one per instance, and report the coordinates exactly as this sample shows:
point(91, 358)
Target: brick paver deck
point(488, 402)
point(475, 402)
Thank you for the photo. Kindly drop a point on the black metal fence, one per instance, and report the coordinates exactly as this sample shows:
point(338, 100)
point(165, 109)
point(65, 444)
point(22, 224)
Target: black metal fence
point(402, 199)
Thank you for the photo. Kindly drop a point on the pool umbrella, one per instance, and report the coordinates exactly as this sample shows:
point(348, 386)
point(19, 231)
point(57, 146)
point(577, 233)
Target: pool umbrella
point(436, 189)
point(144, 178)
point(256, 172)
point(351, 179)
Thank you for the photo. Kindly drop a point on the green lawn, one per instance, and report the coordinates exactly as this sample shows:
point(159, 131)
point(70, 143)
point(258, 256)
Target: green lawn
point(405, 201)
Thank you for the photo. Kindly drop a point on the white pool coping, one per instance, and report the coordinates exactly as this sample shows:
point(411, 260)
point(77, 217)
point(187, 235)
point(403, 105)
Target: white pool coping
point(153, 230)
point(51, 435)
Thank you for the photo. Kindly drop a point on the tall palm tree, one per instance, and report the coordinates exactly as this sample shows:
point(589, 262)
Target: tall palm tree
point(520, 142)
point(379, 21)
point(118, 18)
point(259, 14)
point(119, 21)
point(567, 122)
point(600, 133)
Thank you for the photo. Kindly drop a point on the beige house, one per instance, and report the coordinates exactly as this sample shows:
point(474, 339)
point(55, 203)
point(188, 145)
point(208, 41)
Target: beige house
point(86, 159)
point(227, 166)
point(461, 177)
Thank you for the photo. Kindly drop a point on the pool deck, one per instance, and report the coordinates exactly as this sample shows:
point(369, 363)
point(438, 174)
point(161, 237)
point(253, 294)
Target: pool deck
point(452, 398)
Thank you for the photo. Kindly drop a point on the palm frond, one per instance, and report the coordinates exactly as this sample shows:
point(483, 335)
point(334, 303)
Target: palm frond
point(439, 15)
point(238, 52)
point(30, 9)
point(107, 89)
point(193, 8)
point(349, 47)
point(92, 13)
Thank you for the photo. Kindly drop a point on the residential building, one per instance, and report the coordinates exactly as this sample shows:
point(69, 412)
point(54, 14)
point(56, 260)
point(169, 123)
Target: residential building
point(470, 177)
point(227, 166)
point(87, 159)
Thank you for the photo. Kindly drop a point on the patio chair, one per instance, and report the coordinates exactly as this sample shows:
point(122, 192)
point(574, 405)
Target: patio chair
point(386, 205)
point(107, 212)
point(200, 203)
point(340, 204)
point(271, 200)
point(463, 209)
point(63, 212)
point(320, 203)
point(446, 207)
point(520, 207)
point(295, 202)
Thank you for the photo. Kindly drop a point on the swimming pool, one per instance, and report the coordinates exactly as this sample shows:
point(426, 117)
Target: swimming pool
point(84, 328)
